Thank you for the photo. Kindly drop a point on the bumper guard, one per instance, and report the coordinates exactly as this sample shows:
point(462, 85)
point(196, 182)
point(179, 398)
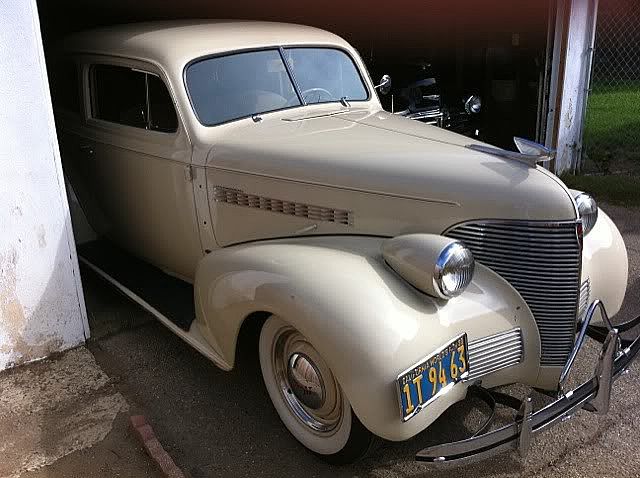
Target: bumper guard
point(593, 395)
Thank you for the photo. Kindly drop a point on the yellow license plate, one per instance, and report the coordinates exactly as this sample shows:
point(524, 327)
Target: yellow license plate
point(433, 376)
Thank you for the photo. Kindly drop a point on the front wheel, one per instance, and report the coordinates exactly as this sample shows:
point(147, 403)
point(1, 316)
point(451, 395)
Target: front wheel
point(307, 396)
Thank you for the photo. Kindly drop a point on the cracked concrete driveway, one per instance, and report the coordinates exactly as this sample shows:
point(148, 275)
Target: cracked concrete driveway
point(222, 424)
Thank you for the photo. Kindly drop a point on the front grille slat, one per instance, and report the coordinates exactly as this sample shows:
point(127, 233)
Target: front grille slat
point(505, 264)
point(585, 296)
point(487, 355)
point(563, 245)
point(542, 261)
point(493, 367)
point(489, 342)
point(558, 260)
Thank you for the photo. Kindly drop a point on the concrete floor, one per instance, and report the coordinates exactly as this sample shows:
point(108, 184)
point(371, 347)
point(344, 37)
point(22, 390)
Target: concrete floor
point(222, 424)
point(65, 418)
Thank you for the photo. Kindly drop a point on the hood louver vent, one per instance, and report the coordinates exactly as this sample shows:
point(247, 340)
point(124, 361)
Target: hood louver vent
point(315, 213)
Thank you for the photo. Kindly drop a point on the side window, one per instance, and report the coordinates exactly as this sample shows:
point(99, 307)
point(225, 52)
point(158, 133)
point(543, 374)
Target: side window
point(119, 95)
point(65, 86)
point(162, 113)
point(131, 97)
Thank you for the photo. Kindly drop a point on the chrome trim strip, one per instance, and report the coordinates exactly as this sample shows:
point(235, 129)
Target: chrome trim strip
point(189, 337)
point(582, 335)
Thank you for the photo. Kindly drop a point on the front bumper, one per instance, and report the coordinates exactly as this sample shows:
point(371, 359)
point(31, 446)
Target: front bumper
point(593, 395)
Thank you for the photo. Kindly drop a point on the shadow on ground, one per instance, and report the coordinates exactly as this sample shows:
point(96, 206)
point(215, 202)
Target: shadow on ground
point(215, 423)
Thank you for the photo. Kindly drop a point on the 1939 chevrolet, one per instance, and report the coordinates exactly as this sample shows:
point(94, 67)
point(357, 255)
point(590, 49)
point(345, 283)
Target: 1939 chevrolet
point(245, 173)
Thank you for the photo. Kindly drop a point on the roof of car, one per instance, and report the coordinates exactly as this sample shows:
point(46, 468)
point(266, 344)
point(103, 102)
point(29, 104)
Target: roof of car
point(178, 42)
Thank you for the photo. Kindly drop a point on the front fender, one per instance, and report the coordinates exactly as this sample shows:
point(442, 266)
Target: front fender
point(605, 264)
point(367, 323)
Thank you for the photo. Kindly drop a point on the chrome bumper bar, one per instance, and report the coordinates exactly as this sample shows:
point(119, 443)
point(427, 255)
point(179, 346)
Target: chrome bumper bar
point(593, 395)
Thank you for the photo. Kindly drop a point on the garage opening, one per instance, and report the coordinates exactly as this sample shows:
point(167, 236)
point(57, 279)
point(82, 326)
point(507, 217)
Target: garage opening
point(481, 48)
point(477, 50)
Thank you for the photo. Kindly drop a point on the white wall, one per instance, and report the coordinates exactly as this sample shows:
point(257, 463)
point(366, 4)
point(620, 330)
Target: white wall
point(41, 302)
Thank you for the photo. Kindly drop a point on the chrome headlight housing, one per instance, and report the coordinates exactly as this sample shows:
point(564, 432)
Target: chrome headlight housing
point(439, 266)
point(588, 211)
point(454, 269)
point(473, 104)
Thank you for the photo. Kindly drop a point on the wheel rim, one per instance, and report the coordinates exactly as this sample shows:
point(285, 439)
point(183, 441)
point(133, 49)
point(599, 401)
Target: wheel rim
point(306, 383)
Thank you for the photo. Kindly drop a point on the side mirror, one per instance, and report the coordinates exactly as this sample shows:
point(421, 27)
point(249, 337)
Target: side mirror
point(385, 85)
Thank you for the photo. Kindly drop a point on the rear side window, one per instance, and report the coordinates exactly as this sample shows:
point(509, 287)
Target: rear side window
point(65, 86)
point(119, 95)
point(162, 114)
point(132, 98)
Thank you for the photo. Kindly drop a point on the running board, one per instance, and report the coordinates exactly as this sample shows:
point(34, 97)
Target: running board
point(163, 296)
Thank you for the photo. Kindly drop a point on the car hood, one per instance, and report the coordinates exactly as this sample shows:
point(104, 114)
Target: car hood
point(382, 155)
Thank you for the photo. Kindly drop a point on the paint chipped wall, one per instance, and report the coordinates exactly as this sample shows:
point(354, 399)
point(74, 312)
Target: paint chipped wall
point(41, 303)
point(574, 84)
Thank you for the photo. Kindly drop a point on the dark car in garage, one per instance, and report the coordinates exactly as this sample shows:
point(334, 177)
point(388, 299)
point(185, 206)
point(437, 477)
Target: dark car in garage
point(420, 91)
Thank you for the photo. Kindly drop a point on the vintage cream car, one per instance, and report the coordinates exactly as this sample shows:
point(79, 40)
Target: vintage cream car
point(243, 175)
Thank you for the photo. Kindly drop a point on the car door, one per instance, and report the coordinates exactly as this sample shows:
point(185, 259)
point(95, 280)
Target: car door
point(137, 157)
point(65, 81)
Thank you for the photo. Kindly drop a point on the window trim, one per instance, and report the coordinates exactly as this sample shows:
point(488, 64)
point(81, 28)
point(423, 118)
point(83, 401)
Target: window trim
point(91, 90)
point(280, 49)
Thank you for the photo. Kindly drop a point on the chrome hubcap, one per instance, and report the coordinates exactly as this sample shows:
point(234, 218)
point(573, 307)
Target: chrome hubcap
point(306, 382)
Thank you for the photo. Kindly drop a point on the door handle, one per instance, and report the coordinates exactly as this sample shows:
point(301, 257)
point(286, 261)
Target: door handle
point(88, 150)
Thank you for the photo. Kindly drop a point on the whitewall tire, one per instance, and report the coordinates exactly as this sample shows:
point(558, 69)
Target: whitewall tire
point(307, 396)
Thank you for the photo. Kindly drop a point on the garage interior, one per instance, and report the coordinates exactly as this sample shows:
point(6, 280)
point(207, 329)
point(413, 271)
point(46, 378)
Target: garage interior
point(478, 48)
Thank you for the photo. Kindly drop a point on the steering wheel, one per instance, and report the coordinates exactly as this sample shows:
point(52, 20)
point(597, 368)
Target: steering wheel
point(316, 90)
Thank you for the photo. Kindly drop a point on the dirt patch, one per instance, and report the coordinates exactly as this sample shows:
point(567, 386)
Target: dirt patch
point(53, 408)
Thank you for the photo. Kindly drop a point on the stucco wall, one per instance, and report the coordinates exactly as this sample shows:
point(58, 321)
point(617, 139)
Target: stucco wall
point(41, 303)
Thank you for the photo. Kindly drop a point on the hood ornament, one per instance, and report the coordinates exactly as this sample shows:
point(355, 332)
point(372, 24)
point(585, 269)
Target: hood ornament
point(530, 153)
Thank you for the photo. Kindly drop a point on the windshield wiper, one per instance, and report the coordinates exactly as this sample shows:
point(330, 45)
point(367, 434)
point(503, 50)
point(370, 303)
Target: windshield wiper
point(344, 102)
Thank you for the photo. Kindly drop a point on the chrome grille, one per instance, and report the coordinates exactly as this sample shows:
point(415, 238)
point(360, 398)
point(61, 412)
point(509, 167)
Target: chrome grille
point(493, 353)
point(542, 262)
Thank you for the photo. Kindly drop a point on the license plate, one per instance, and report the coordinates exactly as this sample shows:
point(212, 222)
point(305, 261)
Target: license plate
point(433, 376)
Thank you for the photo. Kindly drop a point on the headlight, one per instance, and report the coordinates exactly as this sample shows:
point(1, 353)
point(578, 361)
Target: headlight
point(437, 265)
point(588, 210)
point(473, 104)
point(454, 269)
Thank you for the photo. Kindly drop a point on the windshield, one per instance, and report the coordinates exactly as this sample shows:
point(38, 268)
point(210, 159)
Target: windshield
point(325, 75)
point(240, 85)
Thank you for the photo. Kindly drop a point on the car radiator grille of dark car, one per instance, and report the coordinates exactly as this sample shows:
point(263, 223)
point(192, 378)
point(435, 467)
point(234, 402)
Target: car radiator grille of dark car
point(542, 261)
